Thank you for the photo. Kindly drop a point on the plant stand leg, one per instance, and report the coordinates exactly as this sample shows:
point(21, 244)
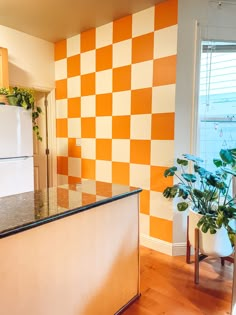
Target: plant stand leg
point(188, 246)
point(222, 261)
point(196, 262)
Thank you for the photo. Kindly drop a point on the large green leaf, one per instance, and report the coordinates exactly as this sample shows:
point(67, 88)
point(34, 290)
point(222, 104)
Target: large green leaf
point(227, 156)
point(200, 170)
point(182, 162)
point(217, 162)
point(229, 171)
point(182, 206)
point(193, 158)
point(198, 193)
point(190, 178)
point(170, 171)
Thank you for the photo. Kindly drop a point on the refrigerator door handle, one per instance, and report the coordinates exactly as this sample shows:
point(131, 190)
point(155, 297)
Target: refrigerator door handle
point(13, 159)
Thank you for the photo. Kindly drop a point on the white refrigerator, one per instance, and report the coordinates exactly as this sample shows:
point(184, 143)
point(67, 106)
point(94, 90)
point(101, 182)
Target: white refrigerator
point(16, 151)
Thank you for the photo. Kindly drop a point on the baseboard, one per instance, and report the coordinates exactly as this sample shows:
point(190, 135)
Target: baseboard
point(171, 249)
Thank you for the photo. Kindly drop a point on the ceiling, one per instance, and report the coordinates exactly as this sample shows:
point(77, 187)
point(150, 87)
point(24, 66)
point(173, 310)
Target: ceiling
point(54, 20)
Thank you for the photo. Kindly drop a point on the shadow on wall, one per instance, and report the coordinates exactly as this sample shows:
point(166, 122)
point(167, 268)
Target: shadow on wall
point(16, 72)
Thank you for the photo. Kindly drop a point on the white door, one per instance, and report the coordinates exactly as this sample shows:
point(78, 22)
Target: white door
point(40, 147)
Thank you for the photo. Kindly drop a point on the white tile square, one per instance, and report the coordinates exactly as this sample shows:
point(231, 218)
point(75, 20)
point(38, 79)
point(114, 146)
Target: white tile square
point(121, 103)
point(143, 22)
point(162, 152)
point(73, 87)
point(88, 62)
point(74, 167)
point(73, 45)
point(144, 223)
point(62, 146)
point(74, 127)
point(122, 53)
point(121, 150)
point(165, 42)
point(142, 75)
point(104, 127)
point(88, 106)
point(74, 198)
point(88, 148)
point(104, 35)
point(61, 108)
point(61, 69)
point(104, 171)
point(62, 179)
point(160, 207)
point(140, 176)
point(141, 126)
point(163, 99)
point(104, 81)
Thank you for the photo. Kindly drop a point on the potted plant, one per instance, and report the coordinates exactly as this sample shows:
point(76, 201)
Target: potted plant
point(207, 194)
point(24, 97)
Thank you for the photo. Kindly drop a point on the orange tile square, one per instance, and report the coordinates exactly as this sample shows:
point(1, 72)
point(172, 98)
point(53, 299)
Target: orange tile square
point(103, 149)
point(104, 104)
point(73, 66)
point(104, 58)
point(164, 71)
point(61, 89)
point(60, 50)
point(62, 165)
point(161, 229)
point(145, 202)
point(103, 189)
point(62, 197)
point(163, 125)
point(74, 107)
point(158, 181)
point(166, 14)
point(121, 127)
point(88, 84)
point(61, 128)
point(73, 150)
point(88, 129)
point(143, 48)
point(121, 78)
point(88, 199)
point(122, 29)
point(141, 101)
point(88, 169)
point(140, 151)
point(87, 40)
point(120, 173)
point(74, 180)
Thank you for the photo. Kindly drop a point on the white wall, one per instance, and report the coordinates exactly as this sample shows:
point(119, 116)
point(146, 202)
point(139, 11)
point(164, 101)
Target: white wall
point(197, 19)
point(31, 60)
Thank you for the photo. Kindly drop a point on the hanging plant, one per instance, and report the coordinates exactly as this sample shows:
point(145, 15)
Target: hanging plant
point(24, 97)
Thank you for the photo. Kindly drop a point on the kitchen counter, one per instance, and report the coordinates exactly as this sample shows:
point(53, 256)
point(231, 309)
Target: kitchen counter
point(27, 210)
point(71, 249)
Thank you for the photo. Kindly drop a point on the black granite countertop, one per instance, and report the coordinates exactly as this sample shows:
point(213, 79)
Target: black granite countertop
point(27, 210)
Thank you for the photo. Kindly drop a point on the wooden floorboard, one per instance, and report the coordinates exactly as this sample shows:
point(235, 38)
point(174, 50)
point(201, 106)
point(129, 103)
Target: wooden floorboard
point(167, 286)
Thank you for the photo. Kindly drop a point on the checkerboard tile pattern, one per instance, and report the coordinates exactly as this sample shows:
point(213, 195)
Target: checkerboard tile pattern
point(115, 89)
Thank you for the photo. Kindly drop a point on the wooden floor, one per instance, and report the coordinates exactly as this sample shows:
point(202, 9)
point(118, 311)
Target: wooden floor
point(167, 287)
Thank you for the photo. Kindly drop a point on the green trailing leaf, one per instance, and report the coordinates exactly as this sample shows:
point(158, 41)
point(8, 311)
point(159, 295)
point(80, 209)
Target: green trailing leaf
point(182, 206)
point(182, 162)
point(170, 171)
point(190, 178)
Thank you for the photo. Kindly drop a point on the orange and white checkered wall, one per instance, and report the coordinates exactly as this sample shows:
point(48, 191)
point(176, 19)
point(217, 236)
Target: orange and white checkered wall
point(115, 89)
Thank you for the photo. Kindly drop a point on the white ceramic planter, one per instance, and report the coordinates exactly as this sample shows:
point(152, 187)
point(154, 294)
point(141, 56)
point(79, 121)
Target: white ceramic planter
point(216, 245)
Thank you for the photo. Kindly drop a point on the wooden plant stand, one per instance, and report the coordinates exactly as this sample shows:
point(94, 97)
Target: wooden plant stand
point(198, 257)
